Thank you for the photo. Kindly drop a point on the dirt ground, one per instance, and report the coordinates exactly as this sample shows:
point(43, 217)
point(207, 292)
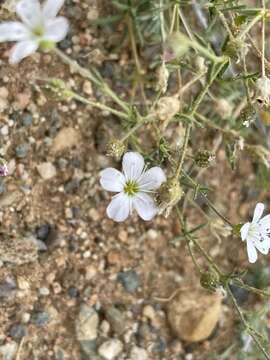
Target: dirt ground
point(71, 280)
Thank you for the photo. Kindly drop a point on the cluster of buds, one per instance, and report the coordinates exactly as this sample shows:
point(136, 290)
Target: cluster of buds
point(162, 78)
point(234, 48)
point(3, 167)
point(59, 88)
point(209, 280)
point(116, 148)
point(170, 193)
point(248, 115)
point(204, 158)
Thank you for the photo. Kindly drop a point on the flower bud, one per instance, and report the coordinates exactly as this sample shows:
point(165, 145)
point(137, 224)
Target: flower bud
point(170, 193)
point(162, 78)
point(116, 148)
point(234, 48)
point(166, 108)
point(248, 115)
point(204, 158)
point(60, 89)
point(176, 45)
point(200, 64)
point(262, 92)
point(3, 167)
point(209, 280)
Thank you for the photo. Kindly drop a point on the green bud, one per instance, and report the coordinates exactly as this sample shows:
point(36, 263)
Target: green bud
point(170, 193)
point(234, 48)
point(209, 280)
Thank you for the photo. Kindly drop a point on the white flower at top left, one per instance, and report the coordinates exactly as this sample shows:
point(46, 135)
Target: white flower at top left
point(134, 186)
point(40, 27)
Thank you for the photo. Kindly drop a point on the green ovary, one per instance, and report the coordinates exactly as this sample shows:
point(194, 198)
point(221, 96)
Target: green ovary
point(38, 31)
point(131, 188)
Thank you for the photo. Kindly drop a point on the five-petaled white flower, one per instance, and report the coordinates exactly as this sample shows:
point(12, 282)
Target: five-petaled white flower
point(40, 28)
point(257, 233)
point(133, 185)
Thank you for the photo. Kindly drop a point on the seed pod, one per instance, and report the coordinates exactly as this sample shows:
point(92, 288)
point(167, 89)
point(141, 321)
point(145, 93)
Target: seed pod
point(170, 193)
point(204, 158)
point(262, 92)
point(162, 78)
point(175, 46)
point(167, 107)
point(115, 149)
point(209, 280)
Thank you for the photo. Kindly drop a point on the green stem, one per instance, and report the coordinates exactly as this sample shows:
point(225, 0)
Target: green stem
point(249, 26)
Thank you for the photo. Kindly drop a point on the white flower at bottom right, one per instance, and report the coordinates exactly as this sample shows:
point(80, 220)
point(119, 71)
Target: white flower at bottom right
point(257, 234)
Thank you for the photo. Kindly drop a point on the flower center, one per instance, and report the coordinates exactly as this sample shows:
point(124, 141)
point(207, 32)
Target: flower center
point(131, 188)
point(38, 31)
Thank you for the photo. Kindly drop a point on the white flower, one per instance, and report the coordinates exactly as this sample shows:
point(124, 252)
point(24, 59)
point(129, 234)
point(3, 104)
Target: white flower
point(257, 233)
point(133, 185)
point(39, 28)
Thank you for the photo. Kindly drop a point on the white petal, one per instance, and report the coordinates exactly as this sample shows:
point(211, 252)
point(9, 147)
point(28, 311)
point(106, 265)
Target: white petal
point(119, 208)
point(258, 212)
point(51, 8)
point(133, 164)
point(13, 31)
point(265, 221)
point(244, 230)
point(252, 253)
point(152, 179)
point(145, 206)
point(263, 246)
point(30, 12)
point(21, 50)
point(112, 180)
point(56, 29)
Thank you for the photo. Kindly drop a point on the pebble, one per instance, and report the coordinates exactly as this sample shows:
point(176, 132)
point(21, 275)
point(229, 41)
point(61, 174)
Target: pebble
point(130, 280)
point(87, 88)
point(110, 349)
point(46, 170)
point(43, 231)
point(18, 331)
point(43, 291)
point(138, 353)
point(65, 139)
point(9, 350)
point(86, 323)
point(73, 292)
point(4, 130)
point(116, 319)
point(22, 150)
point(27, 119)
point(41, 318)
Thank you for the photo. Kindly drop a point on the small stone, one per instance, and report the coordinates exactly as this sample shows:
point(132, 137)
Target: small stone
point(46, 170)
point(87, 88)
point(9, 350)
point(17, 332)
point(138, 353)
point(22, 150)
point(3, 105)
point(4, 130)
point(73, 292)
point(194, 314)
point(116, 319)
point(43, 291)
point(41, 318)
point(87, 323)
point(65, 139)
point(110, 349)
point(43, 232)
point(130, 280)
point(27, 119)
